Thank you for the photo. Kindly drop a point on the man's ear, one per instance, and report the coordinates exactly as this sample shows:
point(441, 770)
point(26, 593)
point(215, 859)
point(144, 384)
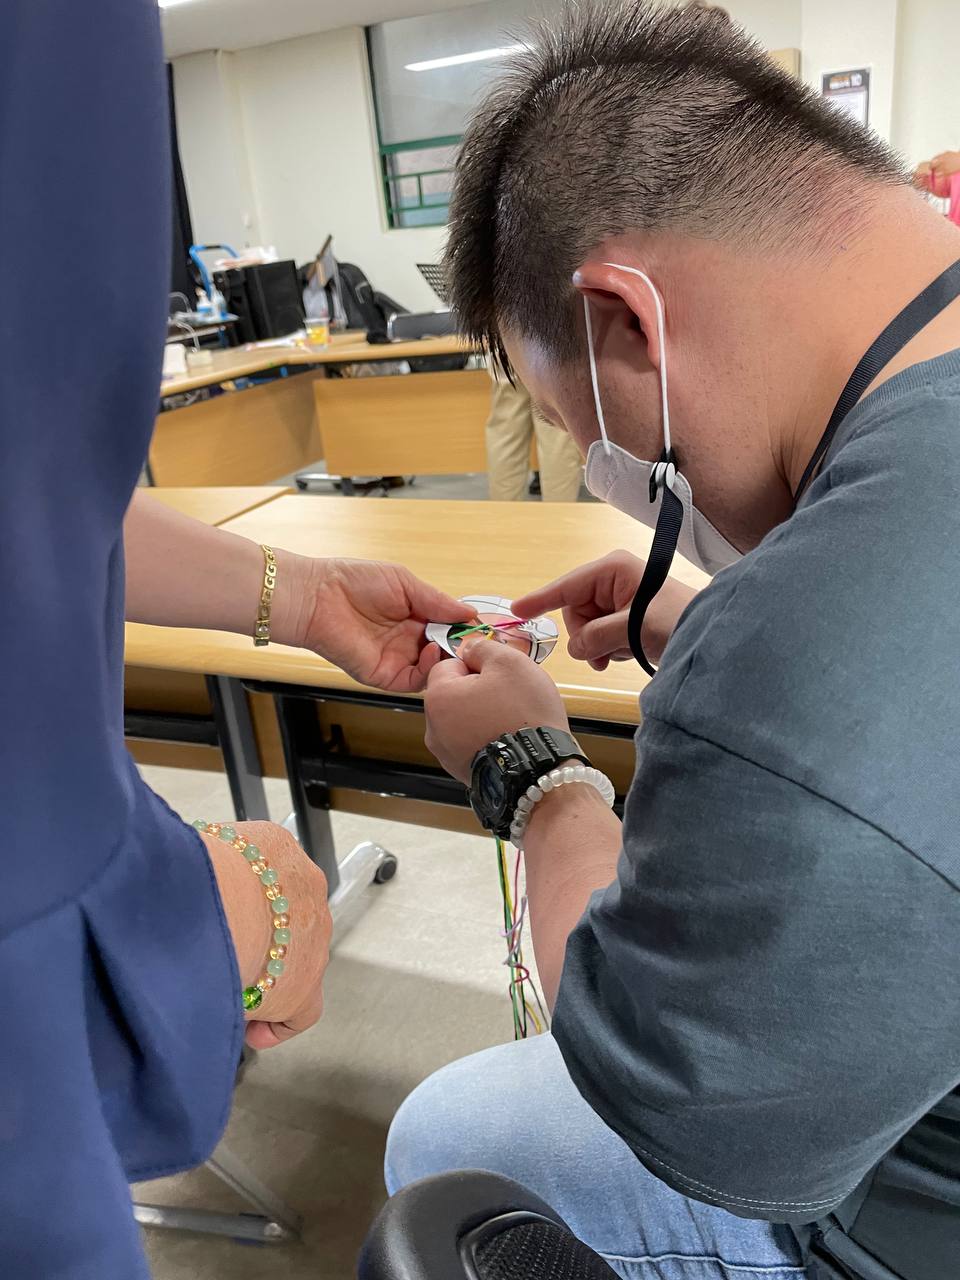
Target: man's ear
point(621, 301)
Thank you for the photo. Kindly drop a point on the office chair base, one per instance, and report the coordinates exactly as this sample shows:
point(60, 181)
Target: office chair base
point(306, 480)
point(273, 1223)
point(367, 864)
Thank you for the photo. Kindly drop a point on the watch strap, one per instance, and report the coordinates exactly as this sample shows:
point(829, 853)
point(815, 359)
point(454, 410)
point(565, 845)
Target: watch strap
point(547, 747)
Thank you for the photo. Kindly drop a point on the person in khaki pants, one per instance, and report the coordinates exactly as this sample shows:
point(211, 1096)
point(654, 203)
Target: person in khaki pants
point(510, 428)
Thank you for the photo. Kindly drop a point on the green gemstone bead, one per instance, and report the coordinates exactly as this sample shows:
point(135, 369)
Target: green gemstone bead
point(275, 968)
point(200, 824)
point(251, 853)
point(282, 936)
point(268, 877)
point(279, 905)
point(228, 833)
point(252, 997)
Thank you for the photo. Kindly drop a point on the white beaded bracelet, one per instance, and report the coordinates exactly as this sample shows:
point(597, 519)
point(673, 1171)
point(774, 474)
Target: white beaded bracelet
point(549, 782)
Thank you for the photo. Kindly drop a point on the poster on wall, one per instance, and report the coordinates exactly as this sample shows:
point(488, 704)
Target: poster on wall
point(848, 91)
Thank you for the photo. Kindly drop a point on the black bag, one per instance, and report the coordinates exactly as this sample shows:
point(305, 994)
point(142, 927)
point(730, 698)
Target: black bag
point(366, 307)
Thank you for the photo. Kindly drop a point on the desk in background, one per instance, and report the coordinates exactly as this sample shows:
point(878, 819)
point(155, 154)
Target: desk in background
point(267, 431)
point(345, 746)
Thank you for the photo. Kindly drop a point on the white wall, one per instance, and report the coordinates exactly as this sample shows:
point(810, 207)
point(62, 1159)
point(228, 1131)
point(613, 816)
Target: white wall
point(312, 144)
point(775, 23)
point(837, 34)
point(926, 118)
point(213, 150)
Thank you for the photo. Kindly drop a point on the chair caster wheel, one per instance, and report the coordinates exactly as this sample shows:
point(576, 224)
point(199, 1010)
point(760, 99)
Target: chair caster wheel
point(386, 870)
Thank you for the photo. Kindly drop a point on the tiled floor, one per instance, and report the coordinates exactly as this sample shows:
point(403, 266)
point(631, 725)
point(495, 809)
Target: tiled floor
point(416, 982)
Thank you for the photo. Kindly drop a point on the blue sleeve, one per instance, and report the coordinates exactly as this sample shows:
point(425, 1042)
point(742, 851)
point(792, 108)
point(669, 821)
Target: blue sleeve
point(122, 1026)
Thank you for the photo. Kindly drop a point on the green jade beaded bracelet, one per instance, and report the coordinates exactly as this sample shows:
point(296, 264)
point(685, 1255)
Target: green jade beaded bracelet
point(251, 997)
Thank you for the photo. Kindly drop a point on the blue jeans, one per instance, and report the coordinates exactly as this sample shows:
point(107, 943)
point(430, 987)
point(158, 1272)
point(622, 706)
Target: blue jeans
point(514, 1110)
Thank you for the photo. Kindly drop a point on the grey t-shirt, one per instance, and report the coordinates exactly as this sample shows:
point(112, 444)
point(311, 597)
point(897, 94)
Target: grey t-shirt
point(766, 1003)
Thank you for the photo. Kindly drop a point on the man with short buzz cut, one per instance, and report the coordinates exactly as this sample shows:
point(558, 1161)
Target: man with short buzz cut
point(731, 298)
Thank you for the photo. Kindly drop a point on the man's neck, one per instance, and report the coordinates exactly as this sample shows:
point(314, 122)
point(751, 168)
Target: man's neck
point(849, 303)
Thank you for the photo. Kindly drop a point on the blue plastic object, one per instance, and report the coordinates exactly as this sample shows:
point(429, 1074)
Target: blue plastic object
point(195, 252)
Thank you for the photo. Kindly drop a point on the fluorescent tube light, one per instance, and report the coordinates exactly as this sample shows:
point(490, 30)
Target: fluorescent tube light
point(455, 59)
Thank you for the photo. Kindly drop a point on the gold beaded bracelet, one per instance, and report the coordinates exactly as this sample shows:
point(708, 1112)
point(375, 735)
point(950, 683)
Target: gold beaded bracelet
point(261, 628)
point(251, 997)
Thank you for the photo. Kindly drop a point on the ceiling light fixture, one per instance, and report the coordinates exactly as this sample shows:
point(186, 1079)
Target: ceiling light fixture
point(455, 59)
point(169, 4)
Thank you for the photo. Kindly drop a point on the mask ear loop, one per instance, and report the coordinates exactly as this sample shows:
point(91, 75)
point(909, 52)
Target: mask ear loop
point(663, 477)
point(593, 375)
point(665, 472)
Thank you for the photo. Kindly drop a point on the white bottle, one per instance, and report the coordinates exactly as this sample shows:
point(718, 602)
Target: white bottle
point(204, 305)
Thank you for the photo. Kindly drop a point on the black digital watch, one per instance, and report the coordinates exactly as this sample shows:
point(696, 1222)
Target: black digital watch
point(507, 767)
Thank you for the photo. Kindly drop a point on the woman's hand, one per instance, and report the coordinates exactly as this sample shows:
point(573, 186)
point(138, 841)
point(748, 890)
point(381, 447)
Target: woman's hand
point(490, 690)
point(296, 1002)
point(934, 175)
point(368, 618)
point(946, 164)
point(596, 600)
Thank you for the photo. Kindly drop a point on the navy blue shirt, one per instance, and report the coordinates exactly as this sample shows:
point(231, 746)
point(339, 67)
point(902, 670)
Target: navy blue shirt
point(121, 1021)
point(766, 1004)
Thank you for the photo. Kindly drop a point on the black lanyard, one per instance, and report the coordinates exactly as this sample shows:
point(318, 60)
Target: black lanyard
point(915, 316)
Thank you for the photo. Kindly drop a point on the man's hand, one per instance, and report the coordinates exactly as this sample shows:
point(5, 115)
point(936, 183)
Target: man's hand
point(596, 600)
point(368, 618)
point(490, 690)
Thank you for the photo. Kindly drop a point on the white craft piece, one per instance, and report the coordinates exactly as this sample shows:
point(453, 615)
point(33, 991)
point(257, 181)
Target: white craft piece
point(536, 637)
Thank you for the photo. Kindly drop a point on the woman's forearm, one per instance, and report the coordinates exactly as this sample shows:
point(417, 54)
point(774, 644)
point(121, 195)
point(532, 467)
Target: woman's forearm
point(571, 850)
point(184, 573)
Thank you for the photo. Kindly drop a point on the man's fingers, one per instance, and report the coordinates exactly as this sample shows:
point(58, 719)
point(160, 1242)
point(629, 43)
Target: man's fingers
point(599, 638)
point(573, 588)
point(592, 585)
point(483, 653)
point(445, 673)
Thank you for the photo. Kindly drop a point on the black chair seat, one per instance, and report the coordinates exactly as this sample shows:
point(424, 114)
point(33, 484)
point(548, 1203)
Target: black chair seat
point(472, 1225)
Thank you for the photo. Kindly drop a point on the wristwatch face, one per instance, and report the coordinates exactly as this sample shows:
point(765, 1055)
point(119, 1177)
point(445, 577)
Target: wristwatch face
point(507, 767)
point(490, 790)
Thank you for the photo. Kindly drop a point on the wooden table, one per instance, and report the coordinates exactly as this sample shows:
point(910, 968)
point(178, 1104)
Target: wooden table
point(256, 435)
point(218, 505)
point(344, 745)
point(202, 720)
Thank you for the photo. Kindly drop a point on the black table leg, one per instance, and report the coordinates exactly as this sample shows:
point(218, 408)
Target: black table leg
point(299, 733)
point(231, 714)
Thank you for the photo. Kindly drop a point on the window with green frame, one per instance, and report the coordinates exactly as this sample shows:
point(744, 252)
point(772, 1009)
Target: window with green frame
point(427, 74)
point(417, 179)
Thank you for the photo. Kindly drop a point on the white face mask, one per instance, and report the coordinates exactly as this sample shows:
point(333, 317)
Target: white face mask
point(636, 487)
